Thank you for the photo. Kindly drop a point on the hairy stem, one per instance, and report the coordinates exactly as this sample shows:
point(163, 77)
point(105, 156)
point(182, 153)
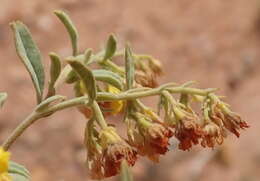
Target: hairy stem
point(101, 96)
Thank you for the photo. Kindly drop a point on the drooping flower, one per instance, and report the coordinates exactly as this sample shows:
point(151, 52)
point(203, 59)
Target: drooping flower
point(212, 135)
point(187, 128)
point(114, 151)
point(4, 159)
point(151, 139)
point(224, 117)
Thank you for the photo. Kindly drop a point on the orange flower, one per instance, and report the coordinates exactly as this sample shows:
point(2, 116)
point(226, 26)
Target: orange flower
point(114, 154)
point(228, 119)
point(187, 129)
point(151, 139)
point(212, 134)
point(114, 151)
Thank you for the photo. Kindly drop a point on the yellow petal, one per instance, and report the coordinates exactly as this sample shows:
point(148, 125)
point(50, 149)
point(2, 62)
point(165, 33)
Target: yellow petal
point(4, 159)
point(116, 106)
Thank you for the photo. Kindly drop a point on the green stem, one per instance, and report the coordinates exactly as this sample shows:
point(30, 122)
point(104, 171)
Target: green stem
point(102, 96)
point(99, 115)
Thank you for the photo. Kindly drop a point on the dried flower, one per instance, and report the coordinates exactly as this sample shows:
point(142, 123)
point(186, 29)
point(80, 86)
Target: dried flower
point(151, 139)
point(224, 117)
point(212, 134)
point(115, 150)
point(147, 70)
point(4, 159)
point(187, 129)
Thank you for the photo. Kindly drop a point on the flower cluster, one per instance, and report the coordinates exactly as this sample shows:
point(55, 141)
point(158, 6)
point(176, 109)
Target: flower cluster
point(103, 88)
point(149, 135)
point(4, 159)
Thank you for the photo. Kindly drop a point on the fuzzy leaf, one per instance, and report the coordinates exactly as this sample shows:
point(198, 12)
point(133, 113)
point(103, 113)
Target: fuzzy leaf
point(55, 71)
point(100, 75)
point(65, 19)
point(30, 56)
point(125, 174)
point(72, 75)
point(110, 47)
point(3, 97)
point(129, 67)
point(44, 104)
point(108, 77)
point(87, 78)
point(18, 172)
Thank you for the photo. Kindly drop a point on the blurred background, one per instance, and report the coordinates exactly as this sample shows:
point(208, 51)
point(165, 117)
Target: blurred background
point(215, 42)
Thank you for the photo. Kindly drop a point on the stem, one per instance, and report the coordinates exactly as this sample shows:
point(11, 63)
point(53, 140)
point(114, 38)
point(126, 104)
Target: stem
point(19, 130)
point(99, 115)
point(102, 96)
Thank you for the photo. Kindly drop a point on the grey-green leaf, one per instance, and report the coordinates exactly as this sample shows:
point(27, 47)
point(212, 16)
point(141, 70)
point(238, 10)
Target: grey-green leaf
point(73, 33)
point(100, 75)
point(55, 71)
point(72, 76)
point(30, 56)
point(108, 77)
point(18, 172)
point(3, 97)
point(87, 78)
point(110, 47)
point(44, 104)
point(125, 174)
point(129, 67)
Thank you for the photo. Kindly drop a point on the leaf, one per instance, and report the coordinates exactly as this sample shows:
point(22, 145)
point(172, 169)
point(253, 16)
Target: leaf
point(30, 56)
point(18, 172)
point(108, 77)
point(87, 78)
point(44, 104)
point(125, 174)
point(73, 33)
point(100, 75)
point(129, 67)
point(55, 71)
point(3, 97)
point(87, 56)
point(110, 47)
point(72, 75)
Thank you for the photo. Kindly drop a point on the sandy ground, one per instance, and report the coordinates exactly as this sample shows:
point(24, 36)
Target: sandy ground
point(214, 42)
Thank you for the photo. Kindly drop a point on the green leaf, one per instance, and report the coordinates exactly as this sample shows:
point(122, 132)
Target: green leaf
point(3, 97)
point(18, 172)
point(100, 75)
point(125, 174)
point(110, 47)
point(65, 19)
point(108, 77)
point(55, 71)
point(44, 104)
point(72, 75)
point(30, 56)
point(87, 78)
point(87, 56)
point(129, 67)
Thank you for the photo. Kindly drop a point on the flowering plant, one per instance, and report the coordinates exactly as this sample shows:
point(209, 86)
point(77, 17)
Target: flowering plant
point(108, 89)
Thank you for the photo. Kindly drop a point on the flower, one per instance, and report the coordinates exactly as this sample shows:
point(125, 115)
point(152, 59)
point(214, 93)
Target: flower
point(113, 150)
point(151, 139)
point(212, 134)
point(224, 117)
point(187, 128)
point(115, 106)
point(147, 71)
point(4, 159)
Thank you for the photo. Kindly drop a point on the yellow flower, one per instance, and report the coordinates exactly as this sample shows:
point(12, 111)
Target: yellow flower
point(116, 106)
point(4, 159)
